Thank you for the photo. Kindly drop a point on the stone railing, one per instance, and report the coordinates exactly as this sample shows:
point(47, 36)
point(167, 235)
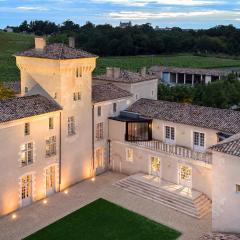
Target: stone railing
point(183, 152)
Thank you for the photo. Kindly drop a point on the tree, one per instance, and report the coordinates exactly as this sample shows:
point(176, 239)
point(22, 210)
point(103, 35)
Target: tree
point(5, 93)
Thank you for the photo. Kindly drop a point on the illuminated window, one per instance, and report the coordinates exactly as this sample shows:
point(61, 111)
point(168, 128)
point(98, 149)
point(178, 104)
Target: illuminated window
point(71, 126)
point(198, 140)
point(51, 146)
point(51, 123)
point(99, 131)
point(27, 129)
point(169, 134)
point(129, 155)
point(99, 158)
point(27, 154)
point(26, 182)
point(238, 188)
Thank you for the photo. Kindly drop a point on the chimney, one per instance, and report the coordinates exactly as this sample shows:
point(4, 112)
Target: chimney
point(116, 72)
point(40, 43)
point(143, 72)
point(71, 41)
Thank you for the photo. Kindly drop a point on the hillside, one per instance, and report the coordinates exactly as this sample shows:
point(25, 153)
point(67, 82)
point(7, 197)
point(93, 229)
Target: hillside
point(10, 43)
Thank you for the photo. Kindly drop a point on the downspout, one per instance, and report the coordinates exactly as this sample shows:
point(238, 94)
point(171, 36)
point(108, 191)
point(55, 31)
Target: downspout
point(60, 152)
point(93, 139)
point(109, 153)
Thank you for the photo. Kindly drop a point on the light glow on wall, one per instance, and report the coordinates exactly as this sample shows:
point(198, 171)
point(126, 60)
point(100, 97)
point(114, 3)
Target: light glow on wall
point(14, 216)
point(45, 201)
point(66, 192)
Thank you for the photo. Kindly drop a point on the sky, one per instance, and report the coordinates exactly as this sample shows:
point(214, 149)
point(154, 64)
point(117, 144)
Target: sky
point(163, 13)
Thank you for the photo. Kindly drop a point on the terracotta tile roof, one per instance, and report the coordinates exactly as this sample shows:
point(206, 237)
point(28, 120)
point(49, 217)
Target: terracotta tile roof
point(22, 107)
point(106, 92)
point(209, 72)
point(229, 146)
point(14, 86)
point(126, 77)
point(213, 118)
point(57, 51)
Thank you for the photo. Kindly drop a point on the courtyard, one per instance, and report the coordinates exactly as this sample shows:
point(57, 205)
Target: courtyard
point(41, 214)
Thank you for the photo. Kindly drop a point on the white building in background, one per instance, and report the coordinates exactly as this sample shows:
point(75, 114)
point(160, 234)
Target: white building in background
point(64, 128)
point(190, 76)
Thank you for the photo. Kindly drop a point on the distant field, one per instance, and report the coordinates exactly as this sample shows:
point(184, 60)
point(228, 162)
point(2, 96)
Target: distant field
point(136, 62)
point(10, 43)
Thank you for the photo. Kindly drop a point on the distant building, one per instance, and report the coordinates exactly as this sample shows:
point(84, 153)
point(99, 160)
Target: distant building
point(125, 24)
point(8, 29)
point(190, 76)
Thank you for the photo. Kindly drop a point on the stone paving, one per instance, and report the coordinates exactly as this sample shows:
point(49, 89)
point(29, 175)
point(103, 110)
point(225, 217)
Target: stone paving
point(39, 215)
point(220, 236)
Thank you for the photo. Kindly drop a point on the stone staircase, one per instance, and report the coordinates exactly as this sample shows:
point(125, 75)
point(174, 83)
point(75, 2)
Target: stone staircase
point(196, 207)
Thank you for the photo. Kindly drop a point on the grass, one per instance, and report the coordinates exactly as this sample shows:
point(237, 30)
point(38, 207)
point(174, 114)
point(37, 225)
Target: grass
point(177, 60)
point(104, 220)
point(10, 43)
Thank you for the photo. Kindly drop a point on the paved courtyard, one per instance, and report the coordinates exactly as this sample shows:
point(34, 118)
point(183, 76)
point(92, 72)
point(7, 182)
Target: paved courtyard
point(39, 215)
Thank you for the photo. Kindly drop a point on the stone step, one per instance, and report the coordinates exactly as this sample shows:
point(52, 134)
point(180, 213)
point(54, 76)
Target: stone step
point(167, 204)
point(160, 189)
point(196, 208)
point(157, 193)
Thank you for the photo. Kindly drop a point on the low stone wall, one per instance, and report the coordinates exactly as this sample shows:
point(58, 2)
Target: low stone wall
point(220, 236)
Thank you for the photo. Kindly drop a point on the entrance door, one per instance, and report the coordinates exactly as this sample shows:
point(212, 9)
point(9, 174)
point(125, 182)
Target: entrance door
point(26, 190)
point(185, 176)
point(155, 166)
point(50, 180)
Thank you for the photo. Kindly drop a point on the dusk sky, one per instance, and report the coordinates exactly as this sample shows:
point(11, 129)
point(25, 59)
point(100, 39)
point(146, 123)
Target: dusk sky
point(182, 13)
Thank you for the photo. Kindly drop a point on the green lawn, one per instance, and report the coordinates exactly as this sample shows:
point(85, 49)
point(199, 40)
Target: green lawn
point(104, 220)
point(10, 43)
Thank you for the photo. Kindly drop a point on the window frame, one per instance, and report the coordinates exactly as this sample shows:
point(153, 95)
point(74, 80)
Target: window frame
point(27, 129)
point(51, 146)
point(172, 134)
point(201, 142)
point(100, 131)
point(27, 154)
point(71, 126)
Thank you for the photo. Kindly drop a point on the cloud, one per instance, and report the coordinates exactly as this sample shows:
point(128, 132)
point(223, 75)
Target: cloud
point(140, 15)
point(142, 3)
point(30, 8)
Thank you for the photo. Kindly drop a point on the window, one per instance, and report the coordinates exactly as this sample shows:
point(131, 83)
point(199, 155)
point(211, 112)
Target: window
point(71, 126)
point(99, 158)
point(114, 107)
point(152, 93)
point(55, 95)
point(238, 188)
point(78, 73)
point(27, 129)
point(99, 131)
point(27, 154)
point(138, 131)
point(99, 111)
point(76, 96)
point(129, 155)
point(50, 123)
point(198, 140)
point(26, 187)
point(26, 89)
point(169, 134)
point(51, 146)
